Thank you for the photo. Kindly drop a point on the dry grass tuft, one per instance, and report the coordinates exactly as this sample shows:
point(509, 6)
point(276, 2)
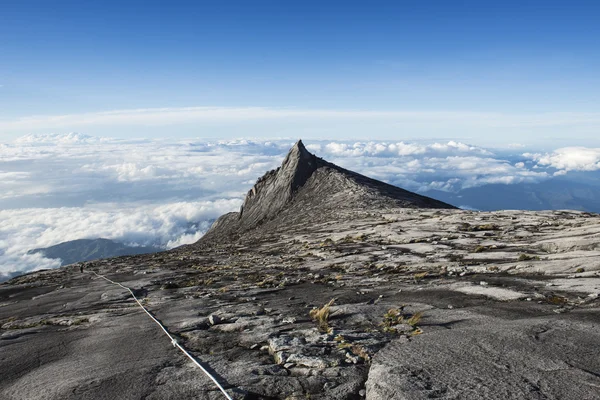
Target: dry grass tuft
point(321, 316)
point(415, 318)
point(396, 316)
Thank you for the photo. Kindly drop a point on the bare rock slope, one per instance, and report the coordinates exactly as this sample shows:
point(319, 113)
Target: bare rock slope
point(373, 297)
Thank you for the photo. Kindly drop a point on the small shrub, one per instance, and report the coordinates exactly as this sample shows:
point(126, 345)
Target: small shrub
point(337, 268)
point(487, 227)
point(557, 300)
point(391, 317)
point(344, 345)
point(268, 281)
point(327, 242)
point(580, 270)
point(170, 285)
point(527, 257)
point(421, 275)
point(466, 227)
point(455, 257)
point(347, 239)
point(416, 332)
point(224, 289)
point(360, 351)
point(192, 282)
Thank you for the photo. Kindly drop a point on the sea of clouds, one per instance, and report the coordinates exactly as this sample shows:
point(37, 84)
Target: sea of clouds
point(165, 193)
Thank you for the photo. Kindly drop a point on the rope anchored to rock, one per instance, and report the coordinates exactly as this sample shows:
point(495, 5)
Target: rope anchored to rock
point(173, 340)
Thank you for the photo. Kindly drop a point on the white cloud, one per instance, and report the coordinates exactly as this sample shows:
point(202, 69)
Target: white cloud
point(13, 177)
point(386, 149)
point(185, 239)
point(569, 159)
point(129, 172)
point(163, 226)
point(53, 138)
point(425, 169)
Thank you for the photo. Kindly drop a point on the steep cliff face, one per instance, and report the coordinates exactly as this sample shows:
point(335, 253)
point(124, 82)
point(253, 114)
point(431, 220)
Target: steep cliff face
point(307, 187)
point(276, 189)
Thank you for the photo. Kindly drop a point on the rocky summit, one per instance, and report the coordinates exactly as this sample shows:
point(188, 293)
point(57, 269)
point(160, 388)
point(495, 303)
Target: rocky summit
point(309, 189)
point(326, 285)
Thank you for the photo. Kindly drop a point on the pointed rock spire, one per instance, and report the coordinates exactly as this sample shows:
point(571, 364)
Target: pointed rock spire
point(297, 166)
point(298, 150)
point(276, 188)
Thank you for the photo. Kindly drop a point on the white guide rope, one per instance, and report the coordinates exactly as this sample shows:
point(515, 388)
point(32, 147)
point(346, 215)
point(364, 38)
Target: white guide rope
point(173, 340)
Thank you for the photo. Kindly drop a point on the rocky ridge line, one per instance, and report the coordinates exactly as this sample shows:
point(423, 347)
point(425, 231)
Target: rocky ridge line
point(307, 188)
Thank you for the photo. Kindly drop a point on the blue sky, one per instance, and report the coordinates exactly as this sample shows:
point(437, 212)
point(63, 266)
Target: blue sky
point(511, 71)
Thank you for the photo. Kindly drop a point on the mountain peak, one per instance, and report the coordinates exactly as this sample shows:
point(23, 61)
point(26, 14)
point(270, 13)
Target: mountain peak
point(297, 166)
point(276, 188)
point(298, 148)
point(306, 187)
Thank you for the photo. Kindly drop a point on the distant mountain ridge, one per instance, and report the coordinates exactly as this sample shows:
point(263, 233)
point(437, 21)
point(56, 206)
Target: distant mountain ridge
point(555, 194)
point(90, 249)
